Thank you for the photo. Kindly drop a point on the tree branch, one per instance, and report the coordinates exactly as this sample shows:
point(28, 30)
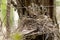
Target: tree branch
point(13, 3)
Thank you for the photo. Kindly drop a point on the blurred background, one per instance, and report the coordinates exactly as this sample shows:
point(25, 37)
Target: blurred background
point(14, 19)
point(58, 12)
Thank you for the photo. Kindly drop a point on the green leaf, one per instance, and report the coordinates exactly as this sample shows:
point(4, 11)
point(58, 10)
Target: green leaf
point(17, 36)
point(3, 8)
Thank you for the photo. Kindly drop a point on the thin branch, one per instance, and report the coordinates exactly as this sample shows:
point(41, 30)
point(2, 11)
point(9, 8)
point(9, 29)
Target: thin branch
point(13, 3)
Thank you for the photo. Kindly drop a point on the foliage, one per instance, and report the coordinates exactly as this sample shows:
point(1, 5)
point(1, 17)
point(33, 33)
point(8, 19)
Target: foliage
point(58, 3)
point(3, 7)
point(17, 36)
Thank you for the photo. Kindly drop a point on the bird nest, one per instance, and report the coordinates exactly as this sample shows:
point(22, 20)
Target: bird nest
point(32, 27)
point(40, 25)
